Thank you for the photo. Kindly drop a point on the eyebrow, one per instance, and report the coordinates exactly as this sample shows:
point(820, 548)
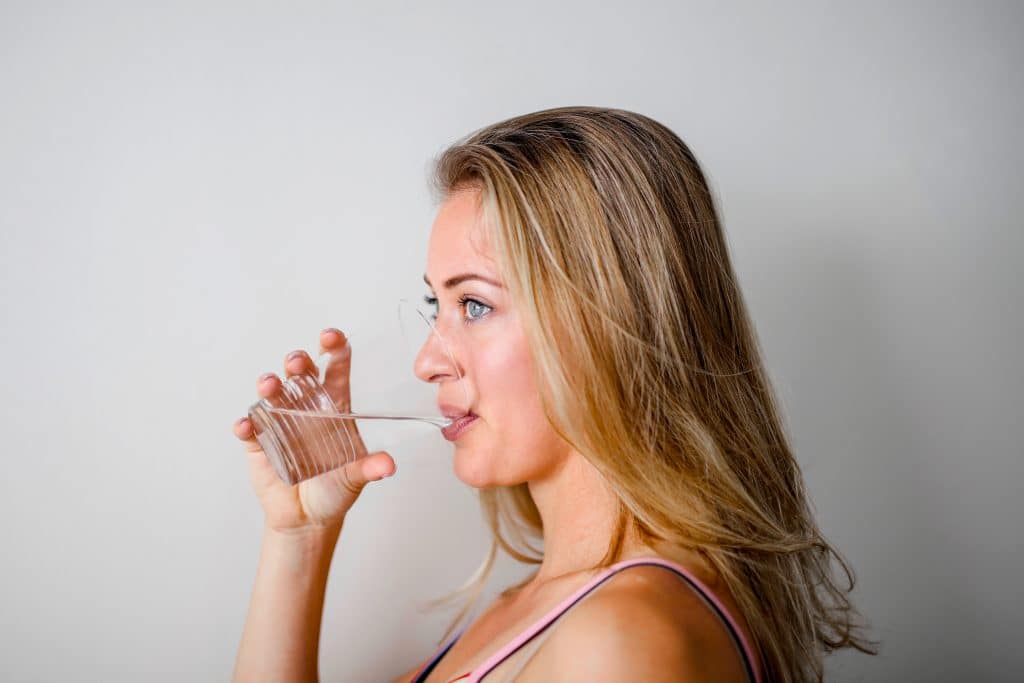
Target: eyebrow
point(452, 281)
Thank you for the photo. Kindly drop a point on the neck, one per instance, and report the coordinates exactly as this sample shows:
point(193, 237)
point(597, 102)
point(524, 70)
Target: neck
point(577, 508)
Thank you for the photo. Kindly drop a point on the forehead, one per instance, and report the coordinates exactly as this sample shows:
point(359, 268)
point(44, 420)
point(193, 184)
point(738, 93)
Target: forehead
point(458, 239)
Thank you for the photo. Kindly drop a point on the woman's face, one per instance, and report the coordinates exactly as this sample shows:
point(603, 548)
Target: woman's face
point(489, 372)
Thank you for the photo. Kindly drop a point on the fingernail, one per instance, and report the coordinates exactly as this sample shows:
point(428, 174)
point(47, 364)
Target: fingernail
point(294, 354)
point(264, 377)
point(341, 335)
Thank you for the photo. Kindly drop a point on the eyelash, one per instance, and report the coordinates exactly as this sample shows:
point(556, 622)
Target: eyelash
point(463, 300)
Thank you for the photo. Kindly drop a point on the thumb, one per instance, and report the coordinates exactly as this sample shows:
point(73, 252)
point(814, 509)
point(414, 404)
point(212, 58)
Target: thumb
point(355, 475)
point(378, 465)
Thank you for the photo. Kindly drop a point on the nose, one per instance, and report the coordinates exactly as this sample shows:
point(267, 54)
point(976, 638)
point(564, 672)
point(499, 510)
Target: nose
point(435, 361)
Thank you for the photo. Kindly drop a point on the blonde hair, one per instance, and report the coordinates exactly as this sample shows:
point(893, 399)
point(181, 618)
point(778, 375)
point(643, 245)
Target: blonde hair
point(608, 240)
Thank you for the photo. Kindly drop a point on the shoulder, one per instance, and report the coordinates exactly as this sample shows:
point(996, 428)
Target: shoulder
point(641, 624)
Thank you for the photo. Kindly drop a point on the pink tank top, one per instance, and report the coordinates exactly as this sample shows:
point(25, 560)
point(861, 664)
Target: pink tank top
point(742, 644)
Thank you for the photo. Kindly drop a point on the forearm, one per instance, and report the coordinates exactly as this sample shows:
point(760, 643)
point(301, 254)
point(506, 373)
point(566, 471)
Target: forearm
point(280, 641)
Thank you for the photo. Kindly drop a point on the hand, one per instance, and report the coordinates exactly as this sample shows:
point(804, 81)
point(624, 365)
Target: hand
point(320, 502)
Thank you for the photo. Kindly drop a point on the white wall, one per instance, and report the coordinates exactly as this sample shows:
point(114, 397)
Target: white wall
point(188, 193)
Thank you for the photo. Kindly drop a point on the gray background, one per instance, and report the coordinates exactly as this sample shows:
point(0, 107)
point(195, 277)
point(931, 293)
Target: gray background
point(187, 193)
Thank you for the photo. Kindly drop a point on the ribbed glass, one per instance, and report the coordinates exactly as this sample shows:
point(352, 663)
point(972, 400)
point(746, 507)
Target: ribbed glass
point(302, 432)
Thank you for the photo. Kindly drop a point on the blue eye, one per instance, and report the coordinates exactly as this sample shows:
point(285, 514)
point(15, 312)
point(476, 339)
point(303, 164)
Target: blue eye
point(475, 309)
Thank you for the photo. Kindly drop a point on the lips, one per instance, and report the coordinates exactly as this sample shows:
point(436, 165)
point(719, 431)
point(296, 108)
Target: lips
point(452, 411)
point(456, 428)
point(461, 420)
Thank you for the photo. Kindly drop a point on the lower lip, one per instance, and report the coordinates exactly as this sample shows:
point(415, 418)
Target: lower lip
point(456, 429)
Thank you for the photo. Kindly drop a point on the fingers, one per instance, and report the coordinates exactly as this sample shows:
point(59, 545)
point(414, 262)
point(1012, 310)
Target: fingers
point(332, 339)
point(243, 430)
point(268, 386)
point(299, 362)
point(336, 375)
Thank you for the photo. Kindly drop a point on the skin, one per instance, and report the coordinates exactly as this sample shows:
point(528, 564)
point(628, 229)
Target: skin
point(484, 365)
point(511, 441)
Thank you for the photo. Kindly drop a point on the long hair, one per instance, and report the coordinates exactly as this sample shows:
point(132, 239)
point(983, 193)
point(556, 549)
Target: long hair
point(608, 240)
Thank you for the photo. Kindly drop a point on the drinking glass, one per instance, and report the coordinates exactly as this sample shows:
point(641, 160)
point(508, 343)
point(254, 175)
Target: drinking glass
point(304, 433)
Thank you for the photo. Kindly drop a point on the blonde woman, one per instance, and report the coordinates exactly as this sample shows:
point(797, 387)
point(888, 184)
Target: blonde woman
point(619, 412)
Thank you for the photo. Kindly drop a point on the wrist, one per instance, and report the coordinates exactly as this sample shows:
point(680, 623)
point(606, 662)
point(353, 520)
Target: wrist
point(308, 547)
point(310, 533)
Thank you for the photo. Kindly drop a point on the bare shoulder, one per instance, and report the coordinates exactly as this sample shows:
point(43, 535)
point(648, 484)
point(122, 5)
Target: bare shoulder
point(643, 624)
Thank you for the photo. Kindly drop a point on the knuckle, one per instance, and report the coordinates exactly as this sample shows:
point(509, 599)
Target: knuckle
point(347, 483)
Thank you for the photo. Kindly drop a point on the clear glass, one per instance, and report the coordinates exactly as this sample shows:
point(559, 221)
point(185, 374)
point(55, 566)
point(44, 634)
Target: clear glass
point(304, 433)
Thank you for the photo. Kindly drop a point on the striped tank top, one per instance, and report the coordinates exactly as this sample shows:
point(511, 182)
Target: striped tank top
point(529, 639)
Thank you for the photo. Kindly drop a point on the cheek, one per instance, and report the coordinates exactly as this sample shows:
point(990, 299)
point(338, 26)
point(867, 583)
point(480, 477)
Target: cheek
point(508, 391)
point(516, 442)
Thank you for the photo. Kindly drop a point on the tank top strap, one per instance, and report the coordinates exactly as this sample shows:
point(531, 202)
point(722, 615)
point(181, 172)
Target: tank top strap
point(741, 642)
point(432, 662)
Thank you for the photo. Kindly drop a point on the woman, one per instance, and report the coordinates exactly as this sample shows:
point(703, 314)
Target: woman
point(618, 409)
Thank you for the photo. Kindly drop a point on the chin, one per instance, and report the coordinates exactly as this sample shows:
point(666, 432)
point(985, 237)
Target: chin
point(473, 468)
point(479, 469)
